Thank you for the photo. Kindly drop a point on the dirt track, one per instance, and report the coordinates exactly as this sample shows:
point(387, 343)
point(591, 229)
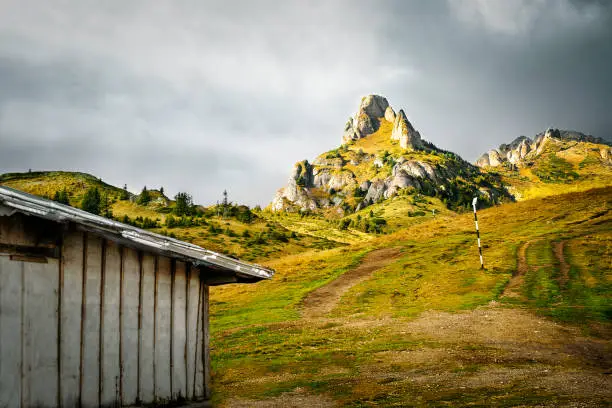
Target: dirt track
point(564, 267)
point(522, 268)
point(321, 301)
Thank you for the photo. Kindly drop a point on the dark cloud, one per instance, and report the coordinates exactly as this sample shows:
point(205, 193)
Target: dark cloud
point(204, 96)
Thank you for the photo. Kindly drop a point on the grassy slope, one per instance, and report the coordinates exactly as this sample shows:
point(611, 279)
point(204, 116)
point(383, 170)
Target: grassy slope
point(228, 240)
point(49, 182)
point(262, 349)
point(563, 167)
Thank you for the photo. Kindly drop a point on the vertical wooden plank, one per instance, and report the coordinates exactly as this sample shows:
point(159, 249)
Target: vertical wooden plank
point(72, 252)
point(110, 334)
point(40, 331)
point(10, 329)
point(90, 392)
point(129, 329)
point(60, 293)
point(163, 330)
point(193, 286)
point(199, 357)
point(179, 339)
point(147, 329)
point(101, 322)
point(155, 273)
point(206, 346)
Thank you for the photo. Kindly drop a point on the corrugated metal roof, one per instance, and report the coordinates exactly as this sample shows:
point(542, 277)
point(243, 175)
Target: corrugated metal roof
point(29, 204)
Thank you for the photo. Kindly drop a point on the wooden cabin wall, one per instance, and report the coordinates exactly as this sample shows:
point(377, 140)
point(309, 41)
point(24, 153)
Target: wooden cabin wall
point(99, 325)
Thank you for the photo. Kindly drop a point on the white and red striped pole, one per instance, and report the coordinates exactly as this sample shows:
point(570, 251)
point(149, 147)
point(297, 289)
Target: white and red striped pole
point(474, 201)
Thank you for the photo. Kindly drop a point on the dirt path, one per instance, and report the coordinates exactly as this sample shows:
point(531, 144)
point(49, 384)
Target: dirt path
point(322, 300)
point(564, 267)
point(512, 289)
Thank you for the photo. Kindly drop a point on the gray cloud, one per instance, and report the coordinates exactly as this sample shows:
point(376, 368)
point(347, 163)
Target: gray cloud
point(203, 96)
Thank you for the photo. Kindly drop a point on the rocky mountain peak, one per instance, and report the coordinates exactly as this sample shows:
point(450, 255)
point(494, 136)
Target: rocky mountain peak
point(393, 161)
point(366, 120)
point(372, 110)
point(523, 148)
point(373, 105)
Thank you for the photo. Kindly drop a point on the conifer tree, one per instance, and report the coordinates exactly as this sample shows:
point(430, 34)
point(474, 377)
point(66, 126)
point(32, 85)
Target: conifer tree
point(145, 197)
point(125, 195)
point(91, 201)
point(184, 204)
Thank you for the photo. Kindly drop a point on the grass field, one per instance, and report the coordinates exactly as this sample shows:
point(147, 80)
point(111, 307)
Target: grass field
point(430, 328)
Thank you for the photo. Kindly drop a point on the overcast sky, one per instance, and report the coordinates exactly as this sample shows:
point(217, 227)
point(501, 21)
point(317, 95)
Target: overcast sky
point(203, 96)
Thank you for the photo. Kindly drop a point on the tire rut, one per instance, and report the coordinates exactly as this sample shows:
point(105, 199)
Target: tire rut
point(512, 288)
point(564, 266)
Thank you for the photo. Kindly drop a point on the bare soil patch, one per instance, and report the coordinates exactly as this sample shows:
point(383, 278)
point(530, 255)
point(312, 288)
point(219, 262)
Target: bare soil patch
point(322, 300)
point(298, 398)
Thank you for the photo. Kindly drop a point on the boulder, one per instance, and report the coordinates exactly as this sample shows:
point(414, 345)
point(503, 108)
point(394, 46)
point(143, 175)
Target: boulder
point(376, 191)
point(494, 158)
point(483, 161)
point(349, 132)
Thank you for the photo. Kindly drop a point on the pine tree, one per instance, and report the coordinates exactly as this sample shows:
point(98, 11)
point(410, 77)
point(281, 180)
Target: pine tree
point(125, 195)
point(184, 204)
point(145, 197)
point(225, 203)
point(61, 197)
point(105, 208)
point(91, 201)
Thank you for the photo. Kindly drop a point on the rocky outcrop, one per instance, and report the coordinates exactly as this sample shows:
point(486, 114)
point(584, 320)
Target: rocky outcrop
point(373, 109)
point(296, 192)
point(350, 133)
point(390, 114)
point(403, 131)
point(523, 148)
point(367, 119)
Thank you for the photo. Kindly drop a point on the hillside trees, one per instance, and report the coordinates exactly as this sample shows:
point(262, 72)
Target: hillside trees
point(91, 201)
point(184, 204)
point(124, 195)
point(61, 197)
point(145, 197)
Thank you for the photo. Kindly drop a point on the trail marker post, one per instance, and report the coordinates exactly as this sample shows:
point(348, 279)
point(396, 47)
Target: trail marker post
point(474, 202)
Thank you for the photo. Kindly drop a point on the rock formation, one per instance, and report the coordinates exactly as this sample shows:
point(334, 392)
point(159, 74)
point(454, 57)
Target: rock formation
point(372, 110)
point(366, 120)
point(403, 131)
point(523, 148)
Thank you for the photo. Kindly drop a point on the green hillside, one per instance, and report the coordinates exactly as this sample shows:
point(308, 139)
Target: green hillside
point(235, 230)
point(428, 327)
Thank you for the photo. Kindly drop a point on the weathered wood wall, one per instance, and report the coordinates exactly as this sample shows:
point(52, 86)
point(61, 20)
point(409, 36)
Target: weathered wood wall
point(94, 323)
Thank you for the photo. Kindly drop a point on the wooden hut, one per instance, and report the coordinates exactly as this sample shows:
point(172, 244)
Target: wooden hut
point(96, 313)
